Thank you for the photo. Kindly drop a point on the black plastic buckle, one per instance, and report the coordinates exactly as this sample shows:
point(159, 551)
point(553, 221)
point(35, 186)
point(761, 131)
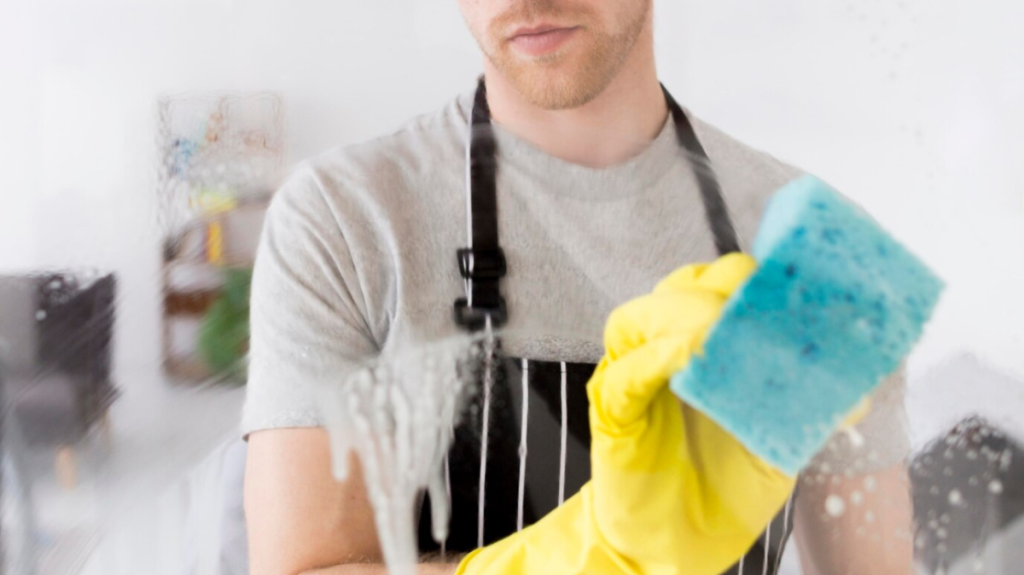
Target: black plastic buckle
point(482, 264)
point(475, 318)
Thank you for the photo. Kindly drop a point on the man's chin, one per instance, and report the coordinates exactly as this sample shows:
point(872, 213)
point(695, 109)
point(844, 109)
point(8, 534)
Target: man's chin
point(554, 87)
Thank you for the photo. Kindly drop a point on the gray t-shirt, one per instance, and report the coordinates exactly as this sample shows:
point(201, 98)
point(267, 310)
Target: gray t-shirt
point(357, 256)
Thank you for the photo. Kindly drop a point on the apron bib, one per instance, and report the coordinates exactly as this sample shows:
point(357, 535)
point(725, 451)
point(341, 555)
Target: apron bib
point(537, 432)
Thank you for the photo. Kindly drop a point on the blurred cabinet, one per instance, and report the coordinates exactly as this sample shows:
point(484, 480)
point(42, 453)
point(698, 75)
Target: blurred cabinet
point(56, 348)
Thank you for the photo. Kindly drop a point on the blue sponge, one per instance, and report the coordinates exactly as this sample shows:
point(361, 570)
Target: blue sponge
point(834, 306)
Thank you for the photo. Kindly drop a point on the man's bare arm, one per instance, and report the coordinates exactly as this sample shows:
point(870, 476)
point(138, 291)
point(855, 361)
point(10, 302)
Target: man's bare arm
point(301, 520)
point(378, 569)
point(871, 535)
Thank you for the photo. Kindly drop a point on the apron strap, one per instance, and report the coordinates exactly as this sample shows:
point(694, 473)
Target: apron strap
point(715, 210)
point(482, 264)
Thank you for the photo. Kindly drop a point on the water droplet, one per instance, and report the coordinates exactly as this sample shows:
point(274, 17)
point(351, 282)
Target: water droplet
point(856, 498)
point(870, 483)
point(955, 498)
point(978, 565)
point(941, 533)
point(856, 439)
point(995, 486)
point(972, 454)
point(1005, 459)
point(869, 517)
point(835, 506)
point(40, 315)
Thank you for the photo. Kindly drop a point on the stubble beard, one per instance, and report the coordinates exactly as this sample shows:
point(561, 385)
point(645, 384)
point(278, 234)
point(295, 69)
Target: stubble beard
point(573, 76)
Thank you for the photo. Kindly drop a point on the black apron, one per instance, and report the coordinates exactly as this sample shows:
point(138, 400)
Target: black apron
point(539, 408)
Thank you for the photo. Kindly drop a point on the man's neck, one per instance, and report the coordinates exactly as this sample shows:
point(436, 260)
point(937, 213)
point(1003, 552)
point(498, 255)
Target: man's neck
point(613, 127)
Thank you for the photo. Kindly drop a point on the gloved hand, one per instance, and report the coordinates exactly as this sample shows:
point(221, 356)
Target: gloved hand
point(671, 492)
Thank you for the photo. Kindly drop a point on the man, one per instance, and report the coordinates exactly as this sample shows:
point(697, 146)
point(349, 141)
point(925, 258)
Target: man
point(596, 204)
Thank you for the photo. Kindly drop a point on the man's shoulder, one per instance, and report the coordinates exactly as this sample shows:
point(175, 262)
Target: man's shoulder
point(390, 175)
point(749, 177)
point(739, 159)
point(418, 145)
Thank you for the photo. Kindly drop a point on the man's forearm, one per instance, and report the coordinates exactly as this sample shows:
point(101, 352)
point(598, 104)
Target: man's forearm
point(381, 569)
point(432, 564)
point(873, 535)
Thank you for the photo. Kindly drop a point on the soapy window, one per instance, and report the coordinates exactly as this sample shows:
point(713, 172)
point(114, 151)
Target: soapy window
point(177, 277)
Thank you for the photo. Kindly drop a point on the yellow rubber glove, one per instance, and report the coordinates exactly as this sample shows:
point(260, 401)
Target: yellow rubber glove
point(671, 492)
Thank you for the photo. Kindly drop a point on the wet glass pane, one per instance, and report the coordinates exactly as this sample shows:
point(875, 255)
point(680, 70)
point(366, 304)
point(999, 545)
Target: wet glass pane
point(242, 329)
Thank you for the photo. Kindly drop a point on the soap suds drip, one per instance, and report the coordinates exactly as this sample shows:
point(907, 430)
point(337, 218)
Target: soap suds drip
point(398, 415)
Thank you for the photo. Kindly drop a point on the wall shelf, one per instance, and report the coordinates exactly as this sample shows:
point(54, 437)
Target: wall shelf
point(221, 158)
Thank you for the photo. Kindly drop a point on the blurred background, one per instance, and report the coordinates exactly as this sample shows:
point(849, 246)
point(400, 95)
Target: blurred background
point(140, 141)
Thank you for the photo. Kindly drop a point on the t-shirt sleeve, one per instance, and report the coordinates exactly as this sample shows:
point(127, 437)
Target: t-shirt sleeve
point(308, 326)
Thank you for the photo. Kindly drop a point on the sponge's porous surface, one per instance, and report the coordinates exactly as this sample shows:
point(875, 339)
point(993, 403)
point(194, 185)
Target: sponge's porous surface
point(834, 306)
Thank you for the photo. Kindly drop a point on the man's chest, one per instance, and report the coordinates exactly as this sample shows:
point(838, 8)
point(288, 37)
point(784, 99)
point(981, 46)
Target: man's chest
point(570, 262)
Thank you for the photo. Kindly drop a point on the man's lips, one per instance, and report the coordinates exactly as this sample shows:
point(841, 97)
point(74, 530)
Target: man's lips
point(541, 40)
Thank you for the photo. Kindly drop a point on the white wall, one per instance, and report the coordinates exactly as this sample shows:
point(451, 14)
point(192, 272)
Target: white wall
point(78, 110)
point(911, 107)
